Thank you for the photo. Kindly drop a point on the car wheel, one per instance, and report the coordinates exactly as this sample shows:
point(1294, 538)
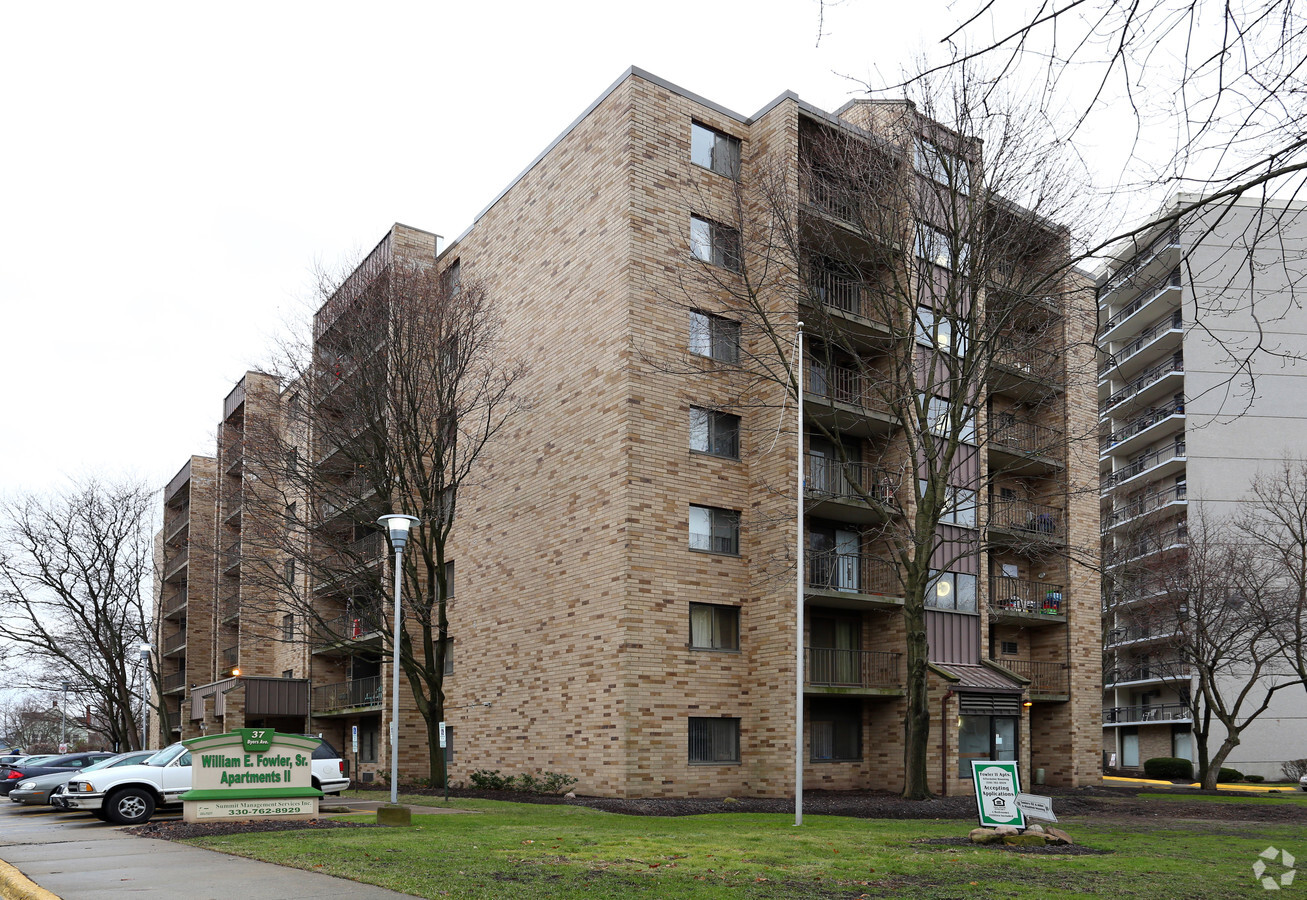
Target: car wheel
point(130, 806)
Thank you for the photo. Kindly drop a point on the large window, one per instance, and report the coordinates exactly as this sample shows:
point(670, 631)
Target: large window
point(836, 731)
point(714, 150)
point(959, 505)
point(714, 530)
point(714, 336)
point(714, 432)
point(941, 332)
point(935, 247)
point(942, 166)
point(939, 415)
point(714, 740)
point(714, 627)
point(952, 590)
point(715, 243)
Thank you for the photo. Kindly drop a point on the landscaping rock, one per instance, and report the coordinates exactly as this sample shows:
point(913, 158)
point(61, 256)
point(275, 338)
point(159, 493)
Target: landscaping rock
point(1035, 829)
point(1004, 830)
point(570, 795)
point(1058, 836)
point(983, 836)
point(1025, 840)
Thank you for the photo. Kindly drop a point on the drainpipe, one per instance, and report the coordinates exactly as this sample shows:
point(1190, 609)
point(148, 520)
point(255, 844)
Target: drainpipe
point(943, 741)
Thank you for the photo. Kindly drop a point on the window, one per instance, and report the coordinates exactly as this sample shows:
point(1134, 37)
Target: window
point(714, 627)
point(941, 332)
point(714, 740)
point(836, 732)
point(715, 243)
point(288, 627)
point(713, 150)
point(935, 247)
point(452, 278)
point(288, 673)
point(959, 505)
point(714, 336)
point(939, 418)
point(714, 530)
point(952, 590)
point(942, 166)
point(714, 432)
point(1009, 648)
point(368, 741)
point(449, 655)
point(449, 578)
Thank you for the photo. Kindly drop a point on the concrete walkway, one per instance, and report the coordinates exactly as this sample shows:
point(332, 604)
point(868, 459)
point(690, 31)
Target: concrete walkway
point(53, 855)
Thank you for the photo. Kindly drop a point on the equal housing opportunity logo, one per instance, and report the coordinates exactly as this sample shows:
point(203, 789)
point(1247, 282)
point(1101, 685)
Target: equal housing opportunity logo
point(1265, 863)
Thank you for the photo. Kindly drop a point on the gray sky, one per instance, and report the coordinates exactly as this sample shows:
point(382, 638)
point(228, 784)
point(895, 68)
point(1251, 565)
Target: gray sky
point(173, 171)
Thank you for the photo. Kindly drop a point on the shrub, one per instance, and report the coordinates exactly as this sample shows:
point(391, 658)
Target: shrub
point(1169, 768)
point(1254, 779)
point(492, 780)
point(544, 783)
point(1294, 769)
point(1229, 775)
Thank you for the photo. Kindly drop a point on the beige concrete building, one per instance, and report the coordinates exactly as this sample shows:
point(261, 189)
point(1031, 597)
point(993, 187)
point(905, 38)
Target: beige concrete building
point(623, 609)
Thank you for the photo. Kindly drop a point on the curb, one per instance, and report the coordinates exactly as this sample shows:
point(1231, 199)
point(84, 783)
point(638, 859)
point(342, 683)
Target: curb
point(14, 885)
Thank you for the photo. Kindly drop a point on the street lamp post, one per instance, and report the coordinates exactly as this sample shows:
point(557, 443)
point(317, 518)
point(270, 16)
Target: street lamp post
point(398, 525)
point(63, 720)
point(145, 695)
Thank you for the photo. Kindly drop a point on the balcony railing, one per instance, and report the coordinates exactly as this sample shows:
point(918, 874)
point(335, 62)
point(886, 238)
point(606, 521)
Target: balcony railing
point(842, 293)
point(1023, 596)
point(826, 477)
point(856, 573)
point(1162, 670)
point(1162, 712)
point(358, 623)
point(231, 656)
point(175, 603)
point(1129, 634)
point(1045, 677)
point(851, 668)
point(174, 681)
point(176, 561)
point(235, 454)
point(1169, 238)
point(231, 557)
point(1143, 463)
point(353, 286)
point(174, 642)
point(1144, 504)
point(229, 606)
point(1148, 543)
point(832, 199)
point(843, 385)
point(176, 524)
point(1027, 518)
point(1031, 361)
point(359, 693)
point(1172, 322)
point(1024, 435)
point(1144, 381)
point(1139, 424)
point(177, 482)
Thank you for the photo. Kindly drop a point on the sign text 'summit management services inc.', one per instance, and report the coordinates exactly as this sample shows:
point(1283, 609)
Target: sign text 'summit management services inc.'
point(251, 773)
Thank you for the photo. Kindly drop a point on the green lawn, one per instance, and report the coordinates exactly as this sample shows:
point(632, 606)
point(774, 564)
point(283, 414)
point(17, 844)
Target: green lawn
point(524, 850)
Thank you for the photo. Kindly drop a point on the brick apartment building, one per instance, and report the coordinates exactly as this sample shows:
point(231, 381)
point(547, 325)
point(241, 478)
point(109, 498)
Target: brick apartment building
point(624, 599)
point(1182, 429)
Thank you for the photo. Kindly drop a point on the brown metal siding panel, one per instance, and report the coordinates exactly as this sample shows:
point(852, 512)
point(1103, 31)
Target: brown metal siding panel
point(953, 638)
point(276, 697)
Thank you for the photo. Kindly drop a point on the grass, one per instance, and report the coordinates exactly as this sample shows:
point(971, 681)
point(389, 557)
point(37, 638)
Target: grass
point(511, 850)
point(1294, 797)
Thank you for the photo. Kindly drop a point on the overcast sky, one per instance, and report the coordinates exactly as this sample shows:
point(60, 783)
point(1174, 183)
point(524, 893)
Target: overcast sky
point(173, 171)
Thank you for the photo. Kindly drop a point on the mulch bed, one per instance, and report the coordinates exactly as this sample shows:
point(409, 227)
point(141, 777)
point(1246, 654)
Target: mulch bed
point(180, 831)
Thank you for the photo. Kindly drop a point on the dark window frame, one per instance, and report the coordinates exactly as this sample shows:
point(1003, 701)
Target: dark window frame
point(715, 243)
point(722, 623)
point(720, 432)
point(714, 741)
point(723, 534)
point(715, 150)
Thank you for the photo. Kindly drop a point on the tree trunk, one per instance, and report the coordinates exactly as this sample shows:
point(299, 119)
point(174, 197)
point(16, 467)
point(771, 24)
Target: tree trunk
point(916, 724)
point(1213, 772)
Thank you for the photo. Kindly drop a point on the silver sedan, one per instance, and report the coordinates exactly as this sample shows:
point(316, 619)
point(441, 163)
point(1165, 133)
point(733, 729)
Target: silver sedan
point(36, 791)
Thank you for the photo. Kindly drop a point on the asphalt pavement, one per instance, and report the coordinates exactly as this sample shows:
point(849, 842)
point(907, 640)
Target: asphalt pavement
point(74, 856)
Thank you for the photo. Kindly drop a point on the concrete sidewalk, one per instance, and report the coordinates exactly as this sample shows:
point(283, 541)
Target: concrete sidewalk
point(76, 858)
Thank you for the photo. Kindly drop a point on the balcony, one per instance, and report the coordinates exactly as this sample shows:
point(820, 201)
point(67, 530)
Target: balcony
point(231, 558)
point(176, 565)
point(229, 606)
point(1144, 672)
point(1125, 360)
point(176, 483)
point(175, 603)
point(1139, 635)
point(849, 492)
point(231, 656)
point(845, 401)
point(234, 456)
point(1157, 463)
point(1135, 508)
point(855, 672)
point(357, 695)
point(363, 625)
point(1144, 715)
point(845, 298)
point(852, 580)
point(1048, 680)
point(352, 288)
point(177, 527)
point(174, 643)
point(1129, 272)
point(174, 681)
point(1025, 522)
point(1161, 380)
point(1029, 602)
point(1161, 540)
point(1122, 439)
point(1019, 444)
point(1024, 369)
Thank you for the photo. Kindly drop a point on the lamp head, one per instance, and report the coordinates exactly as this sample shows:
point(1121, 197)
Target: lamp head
point(399, 526)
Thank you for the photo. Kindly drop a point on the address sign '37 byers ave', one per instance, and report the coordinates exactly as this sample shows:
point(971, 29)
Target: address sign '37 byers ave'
point(251, 773)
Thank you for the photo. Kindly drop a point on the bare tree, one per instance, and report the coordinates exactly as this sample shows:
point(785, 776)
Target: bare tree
point(394, 404)
point(74, 572)
point(32, 721)
point(936, 320)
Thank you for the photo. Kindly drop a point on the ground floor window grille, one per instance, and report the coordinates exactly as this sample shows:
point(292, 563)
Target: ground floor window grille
point(714, 740)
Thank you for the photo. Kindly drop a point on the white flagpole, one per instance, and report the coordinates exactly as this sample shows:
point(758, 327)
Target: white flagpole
point(798, 605)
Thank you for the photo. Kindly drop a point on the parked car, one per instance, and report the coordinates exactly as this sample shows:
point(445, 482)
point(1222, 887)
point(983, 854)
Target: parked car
point(38, 791)
point(11, 758)
point(129, 795)
point(69, 762)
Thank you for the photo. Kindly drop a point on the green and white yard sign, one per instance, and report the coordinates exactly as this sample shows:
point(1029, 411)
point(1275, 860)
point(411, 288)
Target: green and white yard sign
point(251, 773)
point(997, 787)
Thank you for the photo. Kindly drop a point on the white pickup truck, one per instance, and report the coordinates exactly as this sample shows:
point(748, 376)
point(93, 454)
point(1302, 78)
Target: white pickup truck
point(129, 795)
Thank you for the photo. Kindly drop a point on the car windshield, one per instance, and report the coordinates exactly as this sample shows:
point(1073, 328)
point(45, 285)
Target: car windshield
point(166, 755)
point(113, 761)
point(36, 760)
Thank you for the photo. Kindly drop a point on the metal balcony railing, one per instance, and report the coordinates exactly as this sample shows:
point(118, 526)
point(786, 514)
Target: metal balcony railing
point(1165, 670)
point(357, 282)
point(1140, 424)
point(1024, 596)
point(177, 523)
point(826, 667)
point(234, 455)
point(1045, 677)
point(1162, 712)
point(364, 693)
point(175, 603)
point(1144, 381)
point(174, 642)
point(231, 656)
point(843, 293)
point(1024, 436)
point(856, 573)
point(1166, 240)
point(1036, 521)
point(229, 606)
point(231, 557)
point(1128, 634)
point(1143, 504)
point(1151, 541)
point(177, 482)
point(358, 623)
point(826, 477)
point(174, 681)
point(1172, 322)
point(1142, 463)
point(1024, 357)
point(176, 561)
point(843, 385)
